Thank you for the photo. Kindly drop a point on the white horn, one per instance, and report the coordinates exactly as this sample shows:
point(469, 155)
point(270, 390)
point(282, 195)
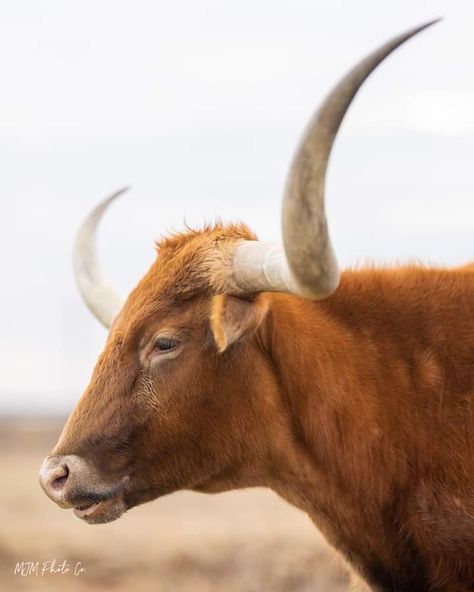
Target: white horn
point(102, 300)
point(306, 265)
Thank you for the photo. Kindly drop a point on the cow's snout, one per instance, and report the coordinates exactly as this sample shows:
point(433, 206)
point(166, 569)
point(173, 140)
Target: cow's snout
point(54, 475)
point(63, 477)
point(73, 482)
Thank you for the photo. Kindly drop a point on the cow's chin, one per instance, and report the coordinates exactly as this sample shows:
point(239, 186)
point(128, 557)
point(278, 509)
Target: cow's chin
point(101, 512)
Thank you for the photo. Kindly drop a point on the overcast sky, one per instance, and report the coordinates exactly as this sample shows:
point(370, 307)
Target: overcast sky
point(198, 105)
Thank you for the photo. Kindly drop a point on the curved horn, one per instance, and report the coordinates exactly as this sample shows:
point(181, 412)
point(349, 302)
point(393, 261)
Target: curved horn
point(102, 300)
point(306, 264)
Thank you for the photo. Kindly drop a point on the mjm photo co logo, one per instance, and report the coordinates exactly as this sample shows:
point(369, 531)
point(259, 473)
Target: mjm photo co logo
point(49, 567)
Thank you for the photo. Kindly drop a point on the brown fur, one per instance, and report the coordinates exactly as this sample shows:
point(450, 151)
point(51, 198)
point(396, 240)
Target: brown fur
point(358, 409)
point(234, 318)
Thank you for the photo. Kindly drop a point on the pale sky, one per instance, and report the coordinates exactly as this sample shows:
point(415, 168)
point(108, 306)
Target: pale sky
point(199, 105)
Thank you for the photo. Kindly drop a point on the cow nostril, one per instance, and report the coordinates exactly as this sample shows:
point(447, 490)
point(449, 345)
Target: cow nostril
point(62, 474)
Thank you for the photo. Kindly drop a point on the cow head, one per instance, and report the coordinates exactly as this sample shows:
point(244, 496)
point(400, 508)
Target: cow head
point(175, 400)
point(184, 395)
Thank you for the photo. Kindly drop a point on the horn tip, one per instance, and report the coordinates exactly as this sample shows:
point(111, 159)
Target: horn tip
point(120, 192)
point(428, 24)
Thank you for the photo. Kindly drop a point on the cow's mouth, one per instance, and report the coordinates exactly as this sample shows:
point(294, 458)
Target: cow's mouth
point(101, 512)
point(103, 507)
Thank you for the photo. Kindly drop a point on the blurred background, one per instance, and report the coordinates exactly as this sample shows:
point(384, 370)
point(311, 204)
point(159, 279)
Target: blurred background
point(199, 105)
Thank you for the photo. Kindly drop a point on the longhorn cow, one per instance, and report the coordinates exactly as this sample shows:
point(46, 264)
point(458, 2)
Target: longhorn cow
point(236, 363)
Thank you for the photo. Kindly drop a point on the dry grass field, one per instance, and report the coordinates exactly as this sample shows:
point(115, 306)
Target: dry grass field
point(248, 541)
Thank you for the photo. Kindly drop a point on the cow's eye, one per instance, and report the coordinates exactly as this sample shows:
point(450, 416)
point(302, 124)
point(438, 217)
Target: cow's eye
point(164, 344)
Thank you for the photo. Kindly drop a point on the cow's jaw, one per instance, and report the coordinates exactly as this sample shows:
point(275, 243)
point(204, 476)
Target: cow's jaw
point(101, 512)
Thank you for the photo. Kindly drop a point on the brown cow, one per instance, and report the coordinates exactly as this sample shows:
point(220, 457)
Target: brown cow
point(230, 366)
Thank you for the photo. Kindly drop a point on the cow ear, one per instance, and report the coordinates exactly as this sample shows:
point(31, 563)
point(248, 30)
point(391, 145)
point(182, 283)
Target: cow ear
point(233, 318)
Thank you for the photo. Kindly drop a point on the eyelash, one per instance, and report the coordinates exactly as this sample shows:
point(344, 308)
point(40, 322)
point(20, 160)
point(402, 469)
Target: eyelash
point(164, 344)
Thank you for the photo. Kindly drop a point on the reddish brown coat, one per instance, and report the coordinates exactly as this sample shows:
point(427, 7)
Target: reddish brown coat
point(358, 409)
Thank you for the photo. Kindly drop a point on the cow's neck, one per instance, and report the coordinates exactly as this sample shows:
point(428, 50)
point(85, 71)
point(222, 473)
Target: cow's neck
point(337, 452)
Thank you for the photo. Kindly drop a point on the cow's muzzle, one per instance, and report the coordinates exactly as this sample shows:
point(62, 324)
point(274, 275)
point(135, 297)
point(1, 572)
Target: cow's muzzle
point(72, 482)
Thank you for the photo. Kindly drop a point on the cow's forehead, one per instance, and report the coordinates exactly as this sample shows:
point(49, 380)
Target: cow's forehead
point(180, 273)
point(150, 307)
